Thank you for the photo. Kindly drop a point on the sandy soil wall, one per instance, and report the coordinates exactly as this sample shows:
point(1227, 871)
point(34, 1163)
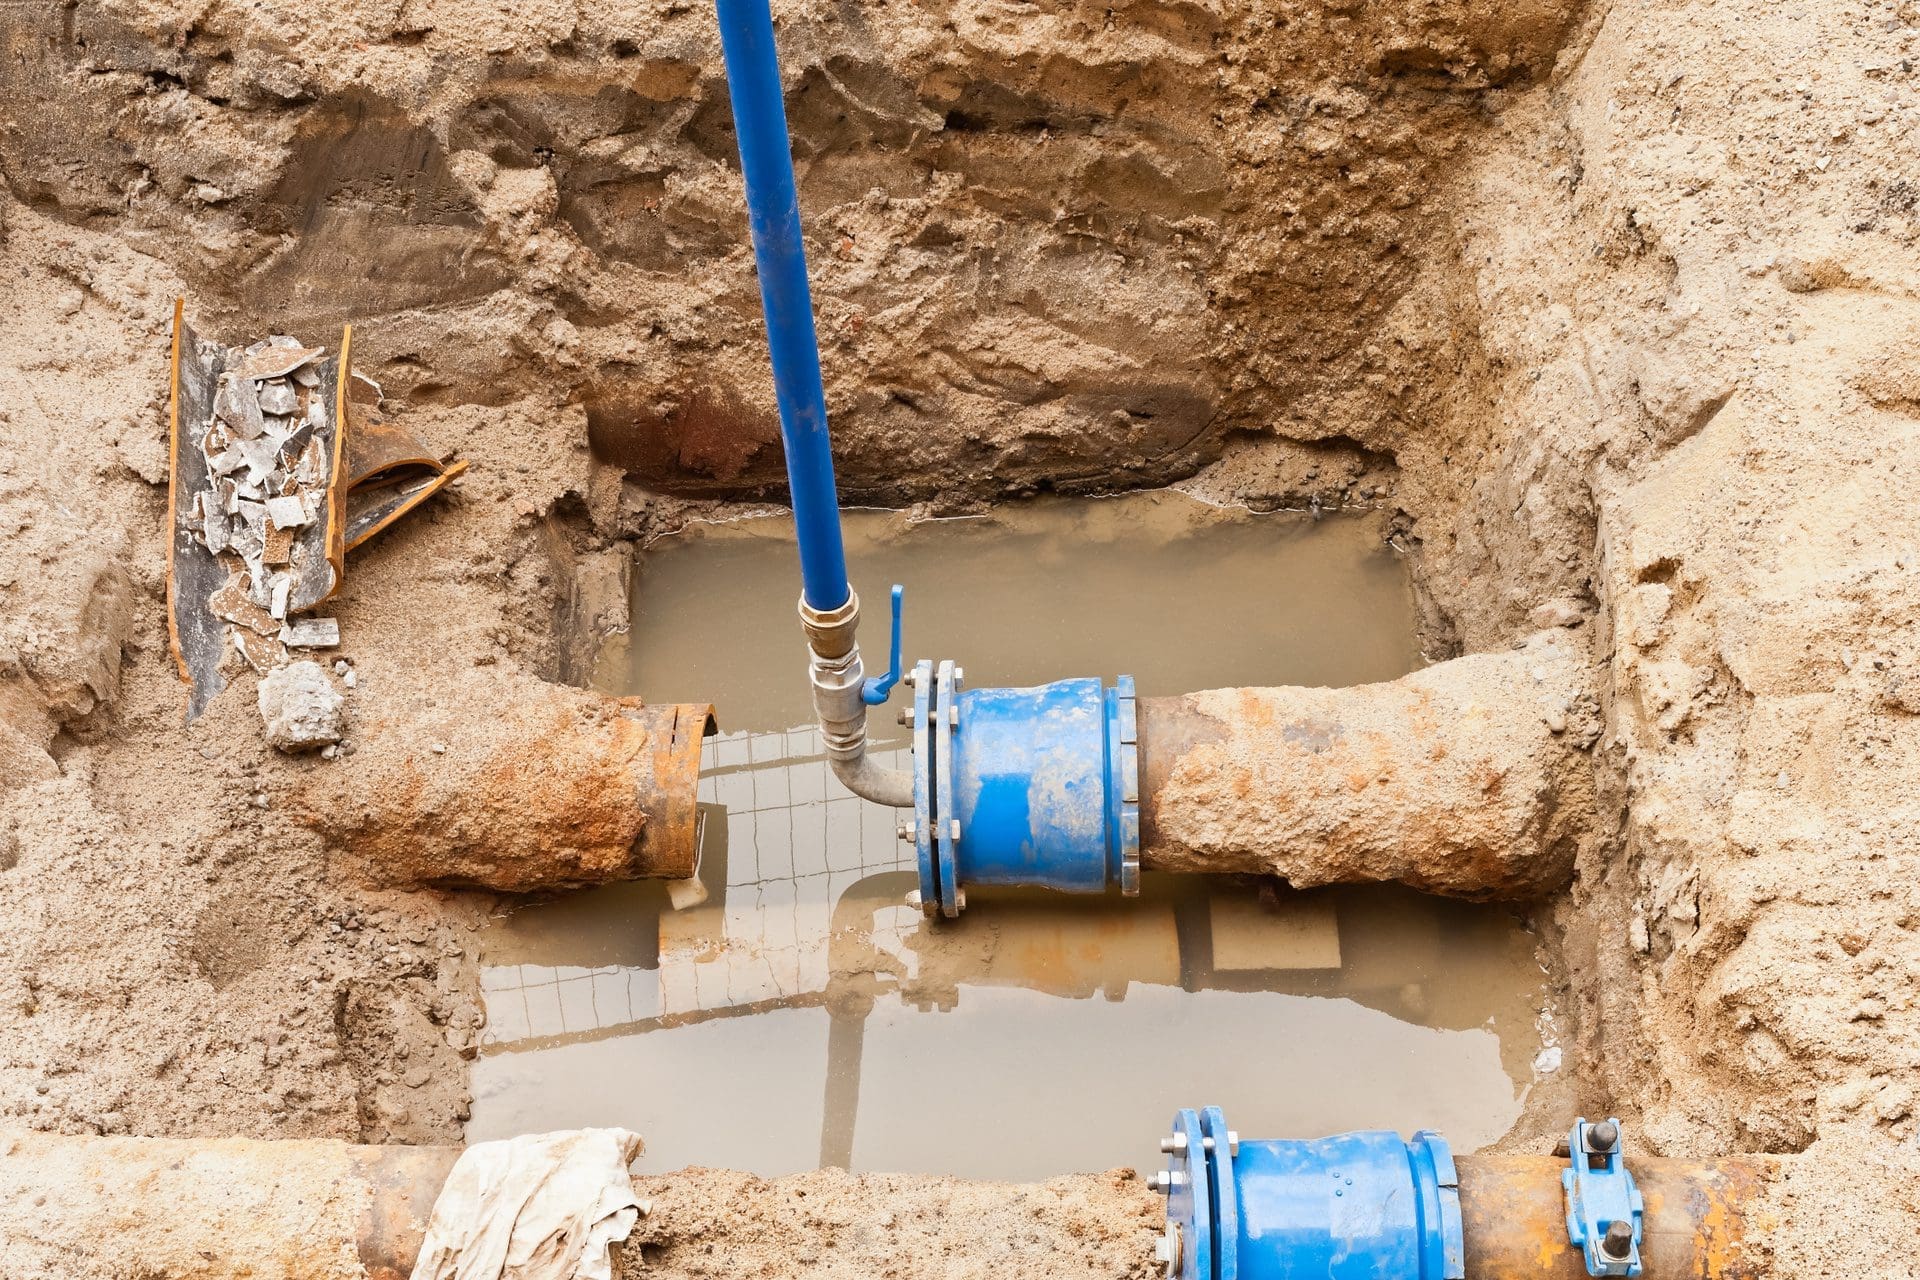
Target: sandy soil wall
point(1619, 304)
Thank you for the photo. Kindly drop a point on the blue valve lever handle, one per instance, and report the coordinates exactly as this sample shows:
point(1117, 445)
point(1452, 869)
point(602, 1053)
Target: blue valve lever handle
point(874, 690)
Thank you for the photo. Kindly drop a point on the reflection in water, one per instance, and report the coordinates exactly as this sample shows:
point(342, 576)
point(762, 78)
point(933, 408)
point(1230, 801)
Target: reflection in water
point(805, 1015)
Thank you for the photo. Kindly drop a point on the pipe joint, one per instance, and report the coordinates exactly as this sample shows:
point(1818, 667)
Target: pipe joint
point(1032, 786)
point(835, 672)
point(837, 677)
point(830, 631)
point(837, 703)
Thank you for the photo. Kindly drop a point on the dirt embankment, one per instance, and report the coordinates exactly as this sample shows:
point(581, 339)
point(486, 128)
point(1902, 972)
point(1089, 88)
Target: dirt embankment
point(1619, 304)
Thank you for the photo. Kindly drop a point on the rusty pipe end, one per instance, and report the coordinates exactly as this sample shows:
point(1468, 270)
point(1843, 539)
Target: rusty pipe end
point(668, 845)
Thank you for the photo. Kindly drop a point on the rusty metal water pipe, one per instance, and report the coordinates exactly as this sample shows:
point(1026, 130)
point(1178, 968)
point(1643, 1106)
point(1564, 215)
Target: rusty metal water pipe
point(503, 781)
point(1467, 778)
point(169, 1209)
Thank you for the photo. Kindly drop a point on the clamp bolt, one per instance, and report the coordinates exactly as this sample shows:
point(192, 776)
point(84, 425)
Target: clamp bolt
point(1604, 1136)
point(1618, 1242)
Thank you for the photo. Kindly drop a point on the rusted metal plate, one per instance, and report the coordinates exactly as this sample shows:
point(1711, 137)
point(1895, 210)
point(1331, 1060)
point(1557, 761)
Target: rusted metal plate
point(228, 562)
point(389, 472)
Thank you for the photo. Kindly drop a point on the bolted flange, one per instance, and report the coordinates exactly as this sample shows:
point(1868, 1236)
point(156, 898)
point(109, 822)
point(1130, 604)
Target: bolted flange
point(1034, 787)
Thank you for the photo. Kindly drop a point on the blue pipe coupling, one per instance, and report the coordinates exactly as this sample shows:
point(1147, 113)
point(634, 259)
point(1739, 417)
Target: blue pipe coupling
point(1033, 786)
point(1357, 1206)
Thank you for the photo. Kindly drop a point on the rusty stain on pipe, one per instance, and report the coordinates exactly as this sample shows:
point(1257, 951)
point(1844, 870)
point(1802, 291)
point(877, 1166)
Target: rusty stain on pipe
point(1705, 1219)
point(321, 1210)
point(216, 1209)
point(403, 1183)
point(509, 783)
point(1468, 778)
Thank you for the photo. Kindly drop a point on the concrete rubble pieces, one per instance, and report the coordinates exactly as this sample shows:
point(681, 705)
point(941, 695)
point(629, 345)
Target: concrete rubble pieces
point(302, 709)
point(270, 489)
point(266, 423)
point(503, 781)
point(259, 522)
point(311, 633)
point(1468, 778)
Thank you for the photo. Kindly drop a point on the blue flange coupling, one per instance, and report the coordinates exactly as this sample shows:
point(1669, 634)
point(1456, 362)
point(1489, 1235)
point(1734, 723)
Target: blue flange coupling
point(1604, 1210)
point(1037, 787)
point(1356, 1206)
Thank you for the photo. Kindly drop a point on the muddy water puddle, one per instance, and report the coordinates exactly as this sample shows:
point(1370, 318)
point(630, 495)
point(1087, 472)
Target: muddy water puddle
point(804, 1015)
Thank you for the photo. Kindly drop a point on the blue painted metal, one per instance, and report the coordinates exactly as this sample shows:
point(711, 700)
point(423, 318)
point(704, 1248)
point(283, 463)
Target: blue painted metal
point(1035, 787)
point(1357, 1206)
point(922, 829)
point(946, 826)
point(1223, 1184)
point(1030, 786)
point(875, 690)
point(1190, 1199)
point(1600, 1192)
point(773, 209)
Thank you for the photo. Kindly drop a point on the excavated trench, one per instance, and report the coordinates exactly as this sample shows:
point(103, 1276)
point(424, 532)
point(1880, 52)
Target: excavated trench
point(1600, 313)
point(807, 1015)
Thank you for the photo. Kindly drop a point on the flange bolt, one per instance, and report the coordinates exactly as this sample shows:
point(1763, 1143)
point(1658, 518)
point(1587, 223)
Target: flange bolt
point(1604, 1136)
point(1618, 1242)
point(1178, 1142)
point(1168, 1248)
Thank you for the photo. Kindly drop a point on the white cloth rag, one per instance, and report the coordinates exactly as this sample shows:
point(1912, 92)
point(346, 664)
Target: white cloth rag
point(545, 1206)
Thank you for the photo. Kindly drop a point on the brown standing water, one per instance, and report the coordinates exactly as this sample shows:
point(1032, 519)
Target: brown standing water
point(805, 1015)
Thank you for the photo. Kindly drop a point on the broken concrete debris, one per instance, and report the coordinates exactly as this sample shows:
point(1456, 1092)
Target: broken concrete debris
point(301, 708)
point(258, 534)
point(263, 469)
point(311, 633)
point(288, 513)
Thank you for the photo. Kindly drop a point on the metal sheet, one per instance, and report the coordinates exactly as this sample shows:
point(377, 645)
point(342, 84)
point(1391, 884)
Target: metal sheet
point(194, 573)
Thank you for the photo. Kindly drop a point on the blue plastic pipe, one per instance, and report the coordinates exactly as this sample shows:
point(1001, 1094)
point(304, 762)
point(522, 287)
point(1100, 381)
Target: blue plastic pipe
point(773, 211)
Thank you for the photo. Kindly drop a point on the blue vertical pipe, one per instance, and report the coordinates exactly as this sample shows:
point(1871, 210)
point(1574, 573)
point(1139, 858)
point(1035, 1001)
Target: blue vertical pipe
point(773, 209)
